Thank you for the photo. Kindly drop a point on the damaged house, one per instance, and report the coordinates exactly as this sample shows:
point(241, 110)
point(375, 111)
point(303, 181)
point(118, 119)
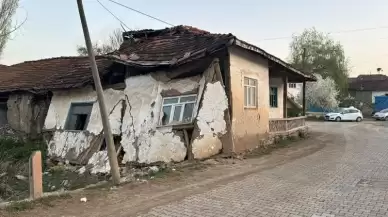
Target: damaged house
point(26, 90)
point(171, 94)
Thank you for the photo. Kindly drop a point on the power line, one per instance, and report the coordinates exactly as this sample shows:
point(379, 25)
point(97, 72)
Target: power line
point(113, 14)
point(132, 9)
point(334, 32)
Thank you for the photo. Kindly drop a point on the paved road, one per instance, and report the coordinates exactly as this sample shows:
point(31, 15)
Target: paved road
point(346, 178)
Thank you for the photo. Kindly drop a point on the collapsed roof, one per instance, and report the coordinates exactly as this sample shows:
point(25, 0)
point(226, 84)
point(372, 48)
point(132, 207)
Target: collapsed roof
point(181, 44)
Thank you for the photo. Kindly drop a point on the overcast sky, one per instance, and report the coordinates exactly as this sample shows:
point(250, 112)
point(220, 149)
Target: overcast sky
point(53, 27)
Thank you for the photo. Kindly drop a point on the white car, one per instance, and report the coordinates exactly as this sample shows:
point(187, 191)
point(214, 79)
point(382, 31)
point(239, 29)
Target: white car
point(345, 114)
point(381, 115)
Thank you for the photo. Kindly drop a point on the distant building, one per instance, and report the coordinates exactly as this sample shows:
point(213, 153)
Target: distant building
point(364, 88)
point(294, 89)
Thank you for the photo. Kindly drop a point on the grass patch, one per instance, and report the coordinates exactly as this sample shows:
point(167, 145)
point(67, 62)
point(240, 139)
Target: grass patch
point(14, 160)
point(60, 177)
point(19, 151)
point(28, 205)
point(48, 201)
point(19, 206)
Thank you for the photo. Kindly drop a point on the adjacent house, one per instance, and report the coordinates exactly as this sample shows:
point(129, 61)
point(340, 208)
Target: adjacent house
point(26, 89)
point(364, 88)
point(294, 89)
point(171, 94)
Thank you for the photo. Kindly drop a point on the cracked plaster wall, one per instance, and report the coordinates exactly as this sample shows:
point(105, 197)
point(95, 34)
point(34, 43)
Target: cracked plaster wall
point(61, 101)
point(100, 162)
point(142, 139)
point(211, 121)
point(67, 144)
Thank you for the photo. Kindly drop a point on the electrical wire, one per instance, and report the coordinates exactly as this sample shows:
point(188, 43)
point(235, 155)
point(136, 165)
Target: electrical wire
point(113, 14)
point(132, 9)
point(334, 32)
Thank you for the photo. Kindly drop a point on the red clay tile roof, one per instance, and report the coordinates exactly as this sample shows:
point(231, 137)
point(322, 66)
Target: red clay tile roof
point(376, 82)
point(49, 74)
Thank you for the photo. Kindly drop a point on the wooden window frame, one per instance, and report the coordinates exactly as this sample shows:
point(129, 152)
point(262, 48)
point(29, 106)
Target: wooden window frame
point(71, 110)
point(250, 89)
point(274, 98)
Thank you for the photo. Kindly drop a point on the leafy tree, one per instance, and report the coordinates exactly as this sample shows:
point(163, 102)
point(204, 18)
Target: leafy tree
point(112, 44)
point(7, 11)
point(321, 94)
point(316, 52)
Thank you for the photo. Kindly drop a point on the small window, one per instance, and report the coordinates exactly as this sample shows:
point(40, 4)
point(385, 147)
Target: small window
point(178, 110)
point(79, 115)
point(250, 92)
point(291, 85)
point(353, 111)
point(273, 97)
point(346, 111)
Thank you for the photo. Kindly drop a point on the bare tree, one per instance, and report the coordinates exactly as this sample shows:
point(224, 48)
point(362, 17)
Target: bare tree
point(7, 11)
point(110, 45)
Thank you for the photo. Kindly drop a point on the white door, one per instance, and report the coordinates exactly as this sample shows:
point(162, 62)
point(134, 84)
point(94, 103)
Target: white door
point(346, 115)
point(354, 114)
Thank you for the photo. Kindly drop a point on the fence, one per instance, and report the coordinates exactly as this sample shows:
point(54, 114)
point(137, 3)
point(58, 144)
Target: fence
point(279, 125)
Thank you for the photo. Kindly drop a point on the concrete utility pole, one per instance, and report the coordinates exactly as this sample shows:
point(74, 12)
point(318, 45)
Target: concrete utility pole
point(304, 82)
point(114, 167)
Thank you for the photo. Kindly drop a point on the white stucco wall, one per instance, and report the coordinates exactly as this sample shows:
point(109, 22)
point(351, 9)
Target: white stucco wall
point(378, 93)
point(61, 101)
point(142, 139)
point(277, 112)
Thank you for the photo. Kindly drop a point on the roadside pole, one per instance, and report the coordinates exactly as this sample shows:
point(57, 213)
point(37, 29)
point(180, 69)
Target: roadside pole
point(304, 82)
point(114, 167)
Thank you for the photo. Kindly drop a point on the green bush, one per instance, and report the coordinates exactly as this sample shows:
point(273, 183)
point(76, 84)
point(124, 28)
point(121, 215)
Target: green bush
point(20, 151)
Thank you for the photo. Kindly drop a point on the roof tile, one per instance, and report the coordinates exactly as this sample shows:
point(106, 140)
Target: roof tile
point(49, 74)
point(168, 46)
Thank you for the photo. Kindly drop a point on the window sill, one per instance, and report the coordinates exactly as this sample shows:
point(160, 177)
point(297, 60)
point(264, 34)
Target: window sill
point(178, 126)
point(74, 131)
point(250, 107)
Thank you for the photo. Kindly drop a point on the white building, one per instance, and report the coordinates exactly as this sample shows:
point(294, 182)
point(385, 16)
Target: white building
point(294, 89)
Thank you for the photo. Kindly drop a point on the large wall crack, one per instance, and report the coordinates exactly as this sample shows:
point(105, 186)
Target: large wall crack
point(133, 131)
